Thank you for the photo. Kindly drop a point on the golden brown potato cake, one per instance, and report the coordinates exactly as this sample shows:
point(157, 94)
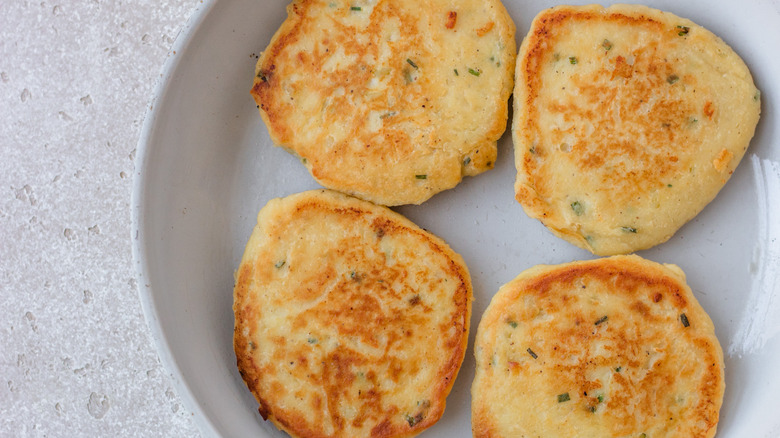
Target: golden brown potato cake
point(350, 320)
point(627, 122)
point(392, 101)
point(615, 347)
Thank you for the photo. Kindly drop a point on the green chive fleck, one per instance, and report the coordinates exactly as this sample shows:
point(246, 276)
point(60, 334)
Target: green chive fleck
point(532, 150)
point(618, 369)
point(672, 79)
point(411, 63)
point(629, 229)
point(513, 324)
point(683, 30)
point(668, 185)
point(757, 96)
point(592, 409)
point(607, 45)
point(279, 264)
point(589, 239)
point(408, 79)
point(356, 8)
point(684, 320)
point(413, 420)
point(421, 176)
point(474, 72)
point(578, 208)
point(600, 398)
point(643, 435)
point(573, 60)
point(563, 397)
point(531, 352)
point(312, 340)
point(466, 161)
point(601, 320)
point(456, 72)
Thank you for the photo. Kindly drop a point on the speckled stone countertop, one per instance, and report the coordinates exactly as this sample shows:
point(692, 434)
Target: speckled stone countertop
point(76, 356)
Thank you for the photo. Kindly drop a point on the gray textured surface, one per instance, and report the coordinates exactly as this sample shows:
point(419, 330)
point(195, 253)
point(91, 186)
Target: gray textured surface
point(76, 357)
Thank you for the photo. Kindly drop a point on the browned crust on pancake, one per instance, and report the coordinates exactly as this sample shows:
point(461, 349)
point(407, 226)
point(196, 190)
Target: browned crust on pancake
point(673, 111)
point(381, 165)
point(354, 309)
point(650, 134)
point(265, 75)
point(654, 298)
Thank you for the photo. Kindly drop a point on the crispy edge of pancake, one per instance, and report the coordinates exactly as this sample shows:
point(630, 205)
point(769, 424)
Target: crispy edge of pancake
point(288, 27)
point(526, 81)
point(481, 154)
point(391, 222)
point(635, 269)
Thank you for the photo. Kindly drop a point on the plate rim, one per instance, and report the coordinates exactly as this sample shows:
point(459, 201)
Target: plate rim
point(142, 191)
point(138, 198)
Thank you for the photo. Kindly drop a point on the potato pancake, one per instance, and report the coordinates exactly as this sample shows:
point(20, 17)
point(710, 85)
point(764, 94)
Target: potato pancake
point(627, 122)
point(392, 101)
point(349, 319)
point(615, 347)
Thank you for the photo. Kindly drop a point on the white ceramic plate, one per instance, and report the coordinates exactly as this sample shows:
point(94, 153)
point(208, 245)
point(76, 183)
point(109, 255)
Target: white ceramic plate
point(205, 167)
